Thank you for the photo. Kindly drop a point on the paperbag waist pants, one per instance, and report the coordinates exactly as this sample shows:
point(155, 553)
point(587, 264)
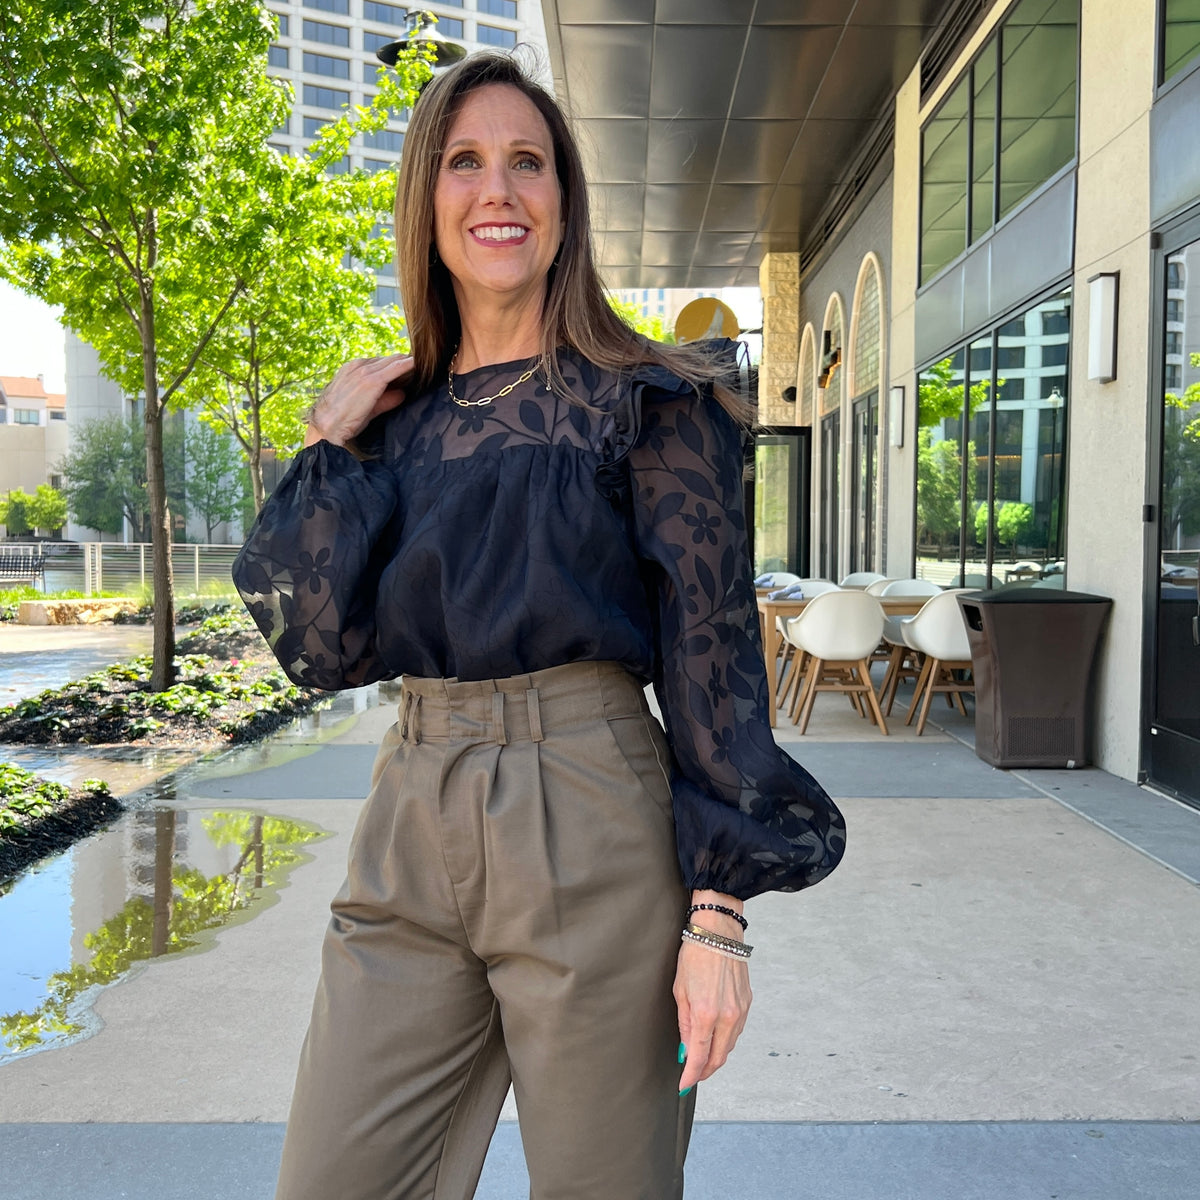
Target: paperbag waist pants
point(512, 911)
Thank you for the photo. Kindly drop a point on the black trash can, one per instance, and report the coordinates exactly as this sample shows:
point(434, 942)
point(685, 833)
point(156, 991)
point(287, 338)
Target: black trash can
point(1032, 651)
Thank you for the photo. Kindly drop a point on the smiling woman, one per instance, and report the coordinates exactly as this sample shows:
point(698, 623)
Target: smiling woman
point(530, 519)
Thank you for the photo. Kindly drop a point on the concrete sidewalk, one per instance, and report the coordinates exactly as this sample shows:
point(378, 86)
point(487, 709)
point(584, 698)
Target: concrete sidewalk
point(995, 995)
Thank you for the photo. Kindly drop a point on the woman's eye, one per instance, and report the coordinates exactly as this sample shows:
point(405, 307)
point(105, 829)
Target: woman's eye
point(464, 160)
point(527, 162)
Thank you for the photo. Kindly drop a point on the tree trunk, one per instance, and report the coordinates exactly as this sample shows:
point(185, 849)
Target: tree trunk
point(163, 671)
point(255, 456)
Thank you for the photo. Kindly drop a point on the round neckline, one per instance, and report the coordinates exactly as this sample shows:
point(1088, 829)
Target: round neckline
point(512, 364)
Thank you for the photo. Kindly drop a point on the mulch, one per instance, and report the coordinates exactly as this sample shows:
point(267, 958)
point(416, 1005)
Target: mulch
point(82, 814)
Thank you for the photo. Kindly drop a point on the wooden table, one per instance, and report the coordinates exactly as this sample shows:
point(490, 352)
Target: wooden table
point(768, 610)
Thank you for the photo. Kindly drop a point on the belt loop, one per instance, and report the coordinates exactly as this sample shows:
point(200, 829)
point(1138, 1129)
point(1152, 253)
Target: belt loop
point(416, 721)
point(498, 718)
point(535, 715)
point(408, 703)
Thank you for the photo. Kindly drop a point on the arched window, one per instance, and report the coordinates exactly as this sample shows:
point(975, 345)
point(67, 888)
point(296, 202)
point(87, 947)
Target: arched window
point(866, 321)
point(806, 384)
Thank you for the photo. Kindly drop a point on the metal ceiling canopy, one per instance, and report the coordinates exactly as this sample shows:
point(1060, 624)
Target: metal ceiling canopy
point(717, 130)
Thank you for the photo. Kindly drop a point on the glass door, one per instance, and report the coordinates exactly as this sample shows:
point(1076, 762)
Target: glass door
point(866, 481)
point(831, 454)
point(782, 500)
point(1173, 755)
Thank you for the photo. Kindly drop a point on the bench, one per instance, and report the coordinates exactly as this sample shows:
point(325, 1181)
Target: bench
point(22, 563)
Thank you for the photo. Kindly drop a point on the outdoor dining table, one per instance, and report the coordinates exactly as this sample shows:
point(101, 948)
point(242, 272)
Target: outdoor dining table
point(769, 609)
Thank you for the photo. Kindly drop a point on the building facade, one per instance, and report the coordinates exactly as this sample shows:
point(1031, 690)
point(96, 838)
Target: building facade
point(33, 434)
point(1039, 199)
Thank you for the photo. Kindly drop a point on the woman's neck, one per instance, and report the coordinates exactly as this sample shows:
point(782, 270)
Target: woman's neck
point(494, 333)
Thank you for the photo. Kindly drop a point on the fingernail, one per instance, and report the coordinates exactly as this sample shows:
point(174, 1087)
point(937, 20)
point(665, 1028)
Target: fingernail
point(682, 1054)
point(685, 1092)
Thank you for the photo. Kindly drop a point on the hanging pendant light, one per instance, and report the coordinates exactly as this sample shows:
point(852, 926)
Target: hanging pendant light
point(421, 28)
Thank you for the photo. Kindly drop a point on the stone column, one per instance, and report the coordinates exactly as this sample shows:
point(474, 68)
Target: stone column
point(779, 281)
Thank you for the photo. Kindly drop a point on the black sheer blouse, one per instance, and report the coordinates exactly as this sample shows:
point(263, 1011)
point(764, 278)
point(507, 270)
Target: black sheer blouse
point(485, 542)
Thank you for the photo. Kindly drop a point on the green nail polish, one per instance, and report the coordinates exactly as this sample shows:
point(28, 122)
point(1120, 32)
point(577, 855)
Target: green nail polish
point(682, 1054)
point(685, 1092)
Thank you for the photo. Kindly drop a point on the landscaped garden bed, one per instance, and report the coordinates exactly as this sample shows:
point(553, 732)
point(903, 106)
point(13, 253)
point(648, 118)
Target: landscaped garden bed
point(228, 690)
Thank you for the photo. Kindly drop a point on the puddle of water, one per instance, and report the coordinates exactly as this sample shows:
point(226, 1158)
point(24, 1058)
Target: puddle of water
point(124, 768)
point(159, 881)
point(33, 658)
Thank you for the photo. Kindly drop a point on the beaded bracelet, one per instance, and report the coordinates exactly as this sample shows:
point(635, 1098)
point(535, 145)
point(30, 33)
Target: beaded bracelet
point(742, 952)
point(729, 912)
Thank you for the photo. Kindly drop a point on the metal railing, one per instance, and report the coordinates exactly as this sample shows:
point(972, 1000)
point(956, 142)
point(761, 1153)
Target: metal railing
point(128, 567)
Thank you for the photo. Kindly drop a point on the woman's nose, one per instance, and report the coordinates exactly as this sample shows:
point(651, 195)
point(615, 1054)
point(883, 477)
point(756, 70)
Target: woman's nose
point(495, 186)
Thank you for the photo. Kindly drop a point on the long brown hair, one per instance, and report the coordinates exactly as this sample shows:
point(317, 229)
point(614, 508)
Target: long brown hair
point(576, 313)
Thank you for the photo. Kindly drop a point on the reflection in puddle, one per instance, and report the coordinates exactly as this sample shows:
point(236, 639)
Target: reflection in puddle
point(153, 884)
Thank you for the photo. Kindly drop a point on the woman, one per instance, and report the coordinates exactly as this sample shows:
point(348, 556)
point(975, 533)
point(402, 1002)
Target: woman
point(529, 519)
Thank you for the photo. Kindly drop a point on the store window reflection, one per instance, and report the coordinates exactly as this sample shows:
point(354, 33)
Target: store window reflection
point(1181, 35)
point(991, 451)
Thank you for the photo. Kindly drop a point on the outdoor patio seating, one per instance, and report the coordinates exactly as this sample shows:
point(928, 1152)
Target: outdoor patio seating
point(938, 633)
point(837, 632)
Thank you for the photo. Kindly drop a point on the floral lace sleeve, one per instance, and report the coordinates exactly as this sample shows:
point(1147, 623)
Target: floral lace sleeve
point(749, 818)
point(308, 570)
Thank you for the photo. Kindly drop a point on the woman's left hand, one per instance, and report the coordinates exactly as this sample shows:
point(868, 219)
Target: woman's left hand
point(713, 996)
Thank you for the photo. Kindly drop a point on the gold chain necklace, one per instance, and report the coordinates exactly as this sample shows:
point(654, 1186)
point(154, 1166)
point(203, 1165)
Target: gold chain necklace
point(508, 387)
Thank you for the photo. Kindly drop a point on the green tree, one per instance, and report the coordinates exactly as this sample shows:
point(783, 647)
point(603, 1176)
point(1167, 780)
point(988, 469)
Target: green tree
point(14, 513)
point(940, 397)
point(132, 145)
point(292, 326)
point(47, 508)
point(1181, 461)
point(213, 469)
point(1014, 519)
point(652, 327)
point(104, 474)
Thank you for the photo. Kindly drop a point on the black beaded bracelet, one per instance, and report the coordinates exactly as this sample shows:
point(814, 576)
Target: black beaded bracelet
point(729, 912)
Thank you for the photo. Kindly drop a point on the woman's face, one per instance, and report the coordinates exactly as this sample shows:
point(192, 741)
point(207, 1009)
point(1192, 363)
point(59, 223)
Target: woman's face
point(496, 203)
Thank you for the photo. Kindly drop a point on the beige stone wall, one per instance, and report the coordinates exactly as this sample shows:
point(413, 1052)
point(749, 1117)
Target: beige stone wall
point(779, 281)
point(1107, 433)
point(901, 472)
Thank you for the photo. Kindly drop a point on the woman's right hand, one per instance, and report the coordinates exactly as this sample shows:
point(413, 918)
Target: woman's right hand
point(361, 390)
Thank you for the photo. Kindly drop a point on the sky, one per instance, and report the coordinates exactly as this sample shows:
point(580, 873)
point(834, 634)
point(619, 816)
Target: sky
point(31, 339)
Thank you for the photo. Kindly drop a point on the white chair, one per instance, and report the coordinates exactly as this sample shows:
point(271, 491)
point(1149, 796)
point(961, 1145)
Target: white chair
point(838, 631)
point(874, 589)
point(787, 652)
point(861, 579)
point(939, 633)
point(901, 660)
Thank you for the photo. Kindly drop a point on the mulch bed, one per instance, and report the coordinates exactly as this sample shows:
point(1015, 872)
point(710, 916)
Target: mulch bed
point(82, 814)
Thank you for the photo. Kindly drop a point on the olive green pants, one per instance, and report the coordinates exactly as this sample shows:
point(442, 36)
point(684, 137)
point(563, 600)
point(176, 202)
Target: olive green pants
point(512, 912)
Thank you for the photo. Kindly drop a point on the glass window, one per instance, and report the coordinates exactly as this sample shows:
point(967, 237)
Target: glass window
point(1055, 355)
point(329, 35)
point(282, 18)
point(866, 335)
point(278, 148)
point(1037, 118)
point(1173, 377)
point(286, 127)
point(450, 27)
point(313, 126)
point(499, 8)
point(1174, 342)
point(944, 184)
point(323, 97)
point(326, 64)
point(386, 294)
point(385, 14)
point(1010, 358)
point(1176, 276)
point(333, 6)
point(377, 164)
point(372, 72)
point(1175, 311)
point(25, 416)
point(940, 399)
point(340, 167)
point(1005, 476)
point(373, 41)
point(983, 144)
point(385, 139)
point(1181, 35)
point(277, 56)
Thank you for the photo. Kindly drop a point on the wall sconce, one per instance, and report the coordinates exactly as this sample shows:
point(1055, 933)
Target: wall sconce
point(896, 415)
point(1103, 292)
